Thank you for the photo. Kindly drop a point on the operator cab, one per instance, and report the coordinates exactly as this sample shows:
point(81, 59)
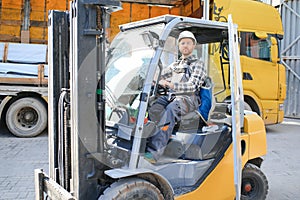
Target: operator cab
point(135, 60)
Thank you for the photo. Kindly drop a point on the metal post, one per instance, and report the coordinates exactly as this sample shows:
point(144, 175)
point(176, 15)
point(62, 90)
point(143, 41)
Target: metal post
point(25, 34)
point(38, 182)
point(237, 104)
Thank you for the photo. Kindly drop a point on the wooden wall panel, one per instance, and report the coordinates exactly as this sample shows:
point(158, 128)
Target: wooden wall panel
point(58, 4)
point(12, 17)
point(139, 12)
point(188, 9)
point(16, 4)
point(38, 15)
point(11, 10)
point(38, 10)
point(8, 31)
point(118, 18)
point(196, 5)
point(157, 11)
point(176, 11)
point(38, 34)
point(133, 12)
point(11, 20)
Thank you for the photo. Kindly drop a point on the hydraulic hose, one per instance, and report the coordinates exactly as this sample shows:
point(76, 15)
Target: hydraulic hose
point(63, 141)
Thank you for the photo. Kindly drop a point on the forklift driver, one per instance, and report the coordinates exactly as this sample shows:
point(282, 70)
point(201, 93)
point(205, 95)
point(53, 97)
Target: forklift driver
point(184, 77)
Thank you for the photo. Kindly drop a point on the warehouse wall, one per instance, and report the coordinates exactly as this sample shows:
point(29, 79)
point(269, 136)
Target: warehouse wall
point(136, 11)
point(290, 13)
point(14, 15)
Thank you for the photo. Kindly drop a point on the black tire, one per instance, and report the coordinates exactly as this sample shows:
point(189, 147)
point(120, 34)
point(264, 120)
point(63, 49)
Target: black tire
point(247, 106)
point(26, 117)
point(254, 183)
point(132, 189)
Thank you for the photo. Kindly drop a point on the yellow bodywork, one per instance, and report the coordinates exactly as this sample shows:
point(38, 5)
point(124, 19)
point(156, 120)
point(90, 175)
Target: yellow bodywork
point(251, 15)
point(255, 137)
point(219, 184)
point(267, 87)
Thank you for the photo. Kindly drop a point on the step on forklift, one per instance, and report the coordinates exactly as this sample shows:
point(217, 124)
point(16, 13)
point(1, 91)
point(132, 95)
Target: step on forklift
point(99, 97)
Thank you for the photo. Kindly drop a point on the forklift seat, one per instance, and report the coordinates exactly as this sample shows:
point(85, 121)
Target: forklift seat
point(199, 146)
point(198, 118)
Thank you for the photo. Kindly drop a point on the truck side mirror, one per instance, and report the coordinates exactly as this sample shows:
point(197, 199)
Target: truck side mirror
point(261, 35)
point(274, 50)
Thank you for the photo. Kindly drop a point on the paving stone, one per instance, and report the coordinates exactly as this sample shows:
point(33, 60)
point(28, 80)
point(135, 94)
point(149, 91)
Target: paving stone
point(20, 156)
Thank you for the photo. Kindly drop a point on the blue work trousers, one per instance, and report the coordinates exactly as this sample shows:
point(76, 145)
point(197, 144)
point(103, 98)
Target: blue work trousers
point(165, 114)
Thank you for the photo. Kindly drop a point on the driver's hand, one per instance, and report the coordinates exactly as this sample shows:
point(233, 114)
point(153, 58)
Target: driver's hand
point(166, 84)
point(163, 83)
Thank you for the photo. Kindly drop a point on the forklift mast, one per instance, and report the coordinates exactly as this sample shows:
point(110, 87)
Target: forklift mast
point(77, 56)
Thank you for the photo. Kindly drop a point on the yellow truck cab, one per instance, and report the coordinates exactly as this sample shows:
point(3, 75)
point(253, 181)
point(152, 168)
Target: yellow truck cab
point(260, 31)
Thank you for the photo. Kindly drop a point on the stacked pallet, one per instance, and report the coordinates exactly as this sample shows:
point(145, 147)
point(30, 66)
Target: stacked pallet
point(23, 64)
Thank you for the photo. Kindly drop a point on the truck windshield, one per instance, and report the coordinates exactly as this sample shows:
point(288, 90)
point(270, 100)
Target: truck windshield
point(134, 64)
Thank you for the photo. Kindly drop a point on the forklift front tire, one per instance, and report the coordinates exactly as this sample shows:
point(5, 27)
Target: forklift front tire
point(132, 188)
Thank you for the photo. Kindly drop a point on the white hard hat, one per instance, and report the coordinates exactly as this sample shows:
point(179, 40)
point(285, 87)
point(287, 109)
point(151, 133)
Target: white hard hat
point(187, 34)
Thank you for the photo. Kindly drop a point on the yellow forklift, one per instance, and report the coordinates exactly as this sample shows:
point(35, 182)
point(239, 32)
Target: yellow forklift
point(99, 98)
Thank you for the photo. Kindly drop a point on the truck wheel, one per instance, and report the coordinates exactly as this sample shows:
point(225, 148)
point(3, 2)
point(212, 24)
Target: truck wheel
point(254, 183)
point(132, 188)
point(247, 106)
point(26, 117)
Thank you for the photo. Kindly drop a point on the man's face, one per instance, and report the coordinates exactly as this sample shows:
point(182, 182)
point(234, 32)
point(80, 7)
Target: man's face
point(186, 46)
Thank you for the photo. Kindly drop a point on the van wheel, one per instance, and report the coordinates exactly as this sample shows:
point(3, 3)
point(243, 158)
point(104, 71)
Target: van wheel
point(26, 117)
point(254, 183)
point(132, 189)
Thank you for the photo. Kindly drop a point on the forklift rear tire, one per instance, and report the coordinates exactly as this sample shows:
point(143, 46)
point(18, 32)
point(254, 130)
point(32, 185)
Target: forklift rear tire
point(132, 188)
point(26, 117)
point(254, 183)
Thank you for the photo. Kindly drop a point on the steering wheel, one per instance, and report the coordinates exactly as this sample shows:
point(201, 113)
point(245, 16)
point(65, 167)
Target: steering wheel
point(120, 115)
point(161, 90)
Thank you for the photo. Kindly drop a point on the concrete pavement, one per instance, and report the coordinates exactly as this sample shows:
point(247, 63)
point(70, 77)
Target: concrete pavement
point(18, 159)
point(20, 156)
point(282, 162)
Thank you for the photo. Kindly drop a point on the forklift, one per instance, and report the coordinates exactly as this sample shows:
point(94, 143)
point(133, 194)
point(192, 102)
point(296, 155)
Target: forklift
point(99, 97)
